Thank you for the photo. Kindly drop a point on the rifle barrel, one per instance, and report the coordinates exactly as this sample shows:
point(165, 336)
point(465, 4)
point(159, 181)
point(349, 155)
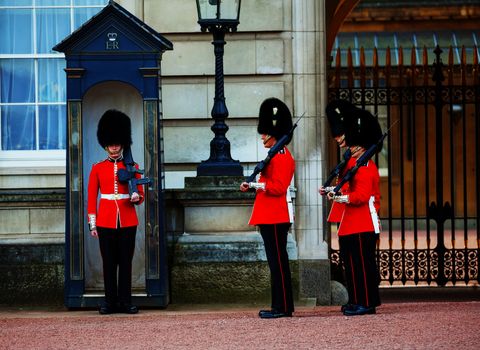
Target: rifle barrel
point(273, 151)
point(362, 160)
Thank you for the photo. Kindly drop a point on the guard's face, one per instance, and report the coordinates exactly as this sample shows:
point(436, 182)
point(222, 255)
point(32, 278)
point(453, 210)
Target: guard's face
point(114, 151)
point(340, 141)
point(357, 151)
point(268, 140)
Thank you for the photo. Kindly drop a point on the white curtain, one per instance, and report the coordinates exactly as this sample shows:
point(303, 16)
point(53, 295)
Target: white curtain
point(17, 85)
point(52, 132)
point(33, 90)
point(16, 28)
point(17, 81)
point(53, 25)
point(18, 128)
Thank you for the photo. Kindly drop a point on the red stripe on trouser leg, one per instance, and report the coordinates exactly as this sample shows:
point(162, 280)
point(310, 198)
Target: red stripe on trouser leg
point(281, 270)
point(353, 281)
point(363, 268)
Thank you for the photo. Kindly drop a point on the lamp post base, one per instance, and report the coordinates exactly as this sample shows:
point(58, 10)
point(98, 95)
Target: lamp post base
point(230, 168)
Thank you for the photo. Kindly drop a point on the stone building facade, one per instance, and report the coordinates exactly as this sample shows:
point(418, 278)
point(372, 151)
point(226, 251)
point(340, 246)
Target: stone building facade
point(278, 50)
point(281, 49)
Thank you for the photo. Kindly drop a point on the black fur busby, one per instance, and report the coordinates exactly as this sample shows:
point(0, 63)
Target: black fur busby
point(274, 118)
point(337, 111)
point(363, 130)
point(114, 127)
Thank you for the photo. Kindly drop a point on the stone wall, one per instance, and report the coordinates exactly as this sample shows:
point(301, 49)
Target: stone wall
point(278, 51)
point(32, 274)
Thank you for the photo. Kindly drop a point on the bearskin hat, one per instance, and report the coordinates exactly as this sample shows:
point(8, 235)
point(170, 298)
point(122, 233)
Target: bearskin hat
point(363, 130)
point(337, 111)
point(274, 118)
point(114, 127)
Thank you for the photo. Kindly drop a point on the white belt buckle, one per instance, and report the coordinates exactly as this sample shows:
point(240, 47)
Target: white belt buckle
point(115, 196)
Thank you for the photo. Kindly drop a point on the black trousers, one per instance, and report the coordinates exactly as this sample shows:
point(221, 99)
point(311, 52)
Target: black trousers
point(275, 241)
point(361, 274)
point(117, 247)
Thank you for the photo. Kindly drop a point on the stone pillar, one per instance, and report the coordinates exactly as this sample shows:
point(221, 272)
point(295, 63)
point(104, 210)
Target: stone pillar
point(309, 77)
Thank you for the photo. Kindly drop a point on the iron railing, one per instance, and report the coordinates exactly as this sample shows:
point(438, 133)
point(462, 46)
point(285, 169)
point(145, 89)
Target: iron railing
point(430, 206)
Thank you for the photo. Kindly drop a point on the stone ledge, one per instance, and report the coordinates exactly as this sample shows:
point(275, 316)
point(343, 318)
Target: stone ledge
point(223, 188)
point(37, 169)
point(207, 182)
point(32, 239)
point(241, 247)
point(51, 197)
point(32, 254)
point(220, 195)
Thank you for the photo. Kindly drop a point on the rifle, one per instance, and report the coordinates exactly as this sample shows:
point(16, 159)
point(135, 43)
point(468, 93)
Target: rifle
point(362, 160)
point(273, 151)
point(339, 167)
point(128, 174)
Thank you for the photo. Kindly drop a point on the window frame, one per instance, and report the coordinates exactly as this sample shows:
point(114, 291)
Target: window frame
point(39, 158)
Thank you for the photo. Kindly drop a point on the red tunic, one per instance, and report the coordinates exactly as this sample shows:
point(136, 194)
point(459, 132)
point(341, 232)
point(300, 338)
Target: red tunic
point(103, 178)
point(336, 212)
point(357, 215)
point(270, 205)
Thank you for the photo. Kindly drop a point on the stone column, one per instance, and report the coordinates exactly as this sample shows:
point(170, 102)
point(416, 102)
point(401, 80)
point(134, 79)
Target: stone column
point(310, 87)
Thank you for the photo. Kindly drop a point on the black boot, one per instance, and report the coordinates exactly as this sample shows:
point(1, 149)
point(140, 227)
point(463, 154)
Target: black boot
point(128, 309)
point(106, 309)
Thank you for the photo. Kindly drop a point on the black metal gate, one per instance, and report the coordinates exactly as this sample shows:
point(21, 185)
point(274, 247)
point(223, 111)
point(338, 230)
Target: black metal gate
point(430, 174)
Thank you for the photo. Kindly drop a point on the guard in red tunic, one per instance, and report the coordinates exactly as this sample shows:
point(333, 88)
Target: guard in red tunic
point(114, 219)
point(359, 225)
point(338, 112)
point(272, 210)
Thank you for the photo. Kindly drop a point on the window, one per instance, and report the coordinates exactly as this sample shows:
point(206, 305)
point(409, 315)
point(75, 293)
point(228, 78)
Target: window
point(32, 77)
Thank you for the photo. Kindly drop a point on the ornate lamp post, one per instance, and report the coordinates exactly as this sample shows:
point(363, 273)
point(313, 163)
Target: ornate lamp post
point(219, 17)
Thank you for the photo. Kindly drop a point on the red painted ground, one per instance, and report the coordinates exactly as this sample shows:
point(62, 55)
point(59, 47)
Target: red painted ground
point(416, 325)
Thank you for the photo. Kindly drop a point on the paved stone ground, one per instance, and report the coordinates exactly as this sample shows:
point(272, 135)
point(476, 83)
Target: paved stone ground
point(419, 324)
